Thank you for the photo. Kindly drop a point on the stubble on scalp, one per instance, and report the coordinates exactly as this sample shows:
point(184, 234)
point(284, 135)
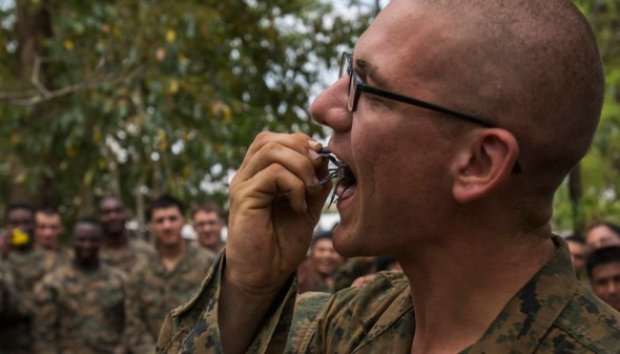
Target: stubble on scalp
point(533, 68)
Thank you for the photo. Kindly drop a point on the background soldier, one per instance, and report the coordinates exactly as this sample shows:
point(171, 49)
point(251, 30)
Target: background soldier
point(48, 229)
point(80, 306)
point(118, 249)
point(27, 265)
point(603, 266)
point(208, 223)
point(168, 280)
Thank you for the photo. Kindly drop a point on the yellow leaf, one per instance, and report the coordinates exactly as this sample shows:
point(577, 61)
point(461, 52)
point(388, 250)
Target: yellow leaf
point(227, 114)
point(221, 108)
point(161, 134)
point(15, 138)
point(173, 86)
point(96, 136)
point(71, 152)
point(102, 164)
point(68, 45)
point(171, 36)
point(88, 178)
point(21, 178)
point(63, 166)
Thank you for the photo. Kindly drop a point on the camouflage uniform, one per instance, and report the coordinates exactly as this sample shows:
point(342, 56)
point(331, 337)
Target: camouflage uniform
point(352, 269)
point(26, 268)
point(552, 313)
point(134, 254)
point(59, 256)
point(80, 311)
point(155, 290)
point(10, 301)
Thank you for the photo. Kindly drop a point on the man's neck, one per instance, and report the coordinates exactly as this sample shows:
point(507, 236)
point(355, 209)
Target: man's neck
point(459, 288)
point(87, 265)
point(27, 248)
point(172, 254)
point(48, 248)
point(116, 241)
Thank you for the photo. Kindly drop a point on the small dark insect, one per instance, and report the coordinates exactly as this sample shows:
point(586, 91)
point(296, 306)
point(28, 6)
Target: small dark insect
point(336, 170)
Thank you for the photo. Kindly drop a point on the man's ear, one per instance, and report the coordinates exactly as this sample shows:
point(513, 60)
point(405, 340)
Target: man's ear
point(484, 162)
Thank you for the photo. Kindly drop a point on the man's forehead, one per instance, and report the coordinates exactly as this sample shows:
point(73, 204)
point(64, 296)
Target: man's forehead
point(165, 212)
point(41, 217)
point(19, 214)
point(401, 41)
point(86, 229)
point(111, 203)
point(607, 269)
point(206, 214)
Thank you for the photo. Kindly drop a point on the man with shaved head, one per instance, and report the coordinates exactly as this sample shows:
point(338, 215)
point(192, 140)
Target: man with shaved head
point(455, 122)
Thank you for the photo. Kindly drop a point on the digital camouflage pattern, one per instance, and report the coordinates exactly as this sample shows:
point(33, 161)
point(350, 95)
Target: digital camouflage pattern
point(26, 269)
point(155, 290)
point(80, 311)
point(552, 313)
point(134, 254)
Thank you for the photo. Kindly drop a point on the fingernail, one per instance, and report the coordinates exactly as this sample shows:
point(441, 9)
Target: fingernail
point(315, 145)
point(314, 155)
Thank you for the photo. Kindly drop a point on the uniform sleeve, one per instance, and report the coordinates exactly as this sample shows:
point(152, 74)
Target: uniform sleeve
point(137, 337)
point(194, 327)
point(46, 320)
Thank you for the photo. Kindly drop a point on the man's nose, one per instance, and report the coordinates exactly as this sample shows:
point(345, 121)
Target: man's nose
point(330, 107)
point(613, 287)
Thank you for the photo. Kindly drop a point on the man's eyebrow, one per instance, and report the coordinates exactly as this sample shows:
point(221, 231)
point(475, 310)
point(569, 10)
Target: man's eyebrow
point(370, 71)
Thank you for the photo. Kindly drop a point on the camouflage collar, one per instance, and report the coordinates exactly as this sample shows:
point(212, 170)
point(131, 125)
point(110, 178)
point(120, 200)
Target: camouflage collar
point(529, 315)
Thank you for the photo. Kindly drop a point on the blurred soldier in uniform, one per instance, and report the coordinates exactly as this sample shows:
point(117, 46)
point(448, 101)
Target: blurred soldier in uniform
point(168, 280)
point(47, 233)
point(48, 228)
point(11, 305)
point(578, 252)
point(80, 306)
point(603, 266)
point(317, 271)
point(208, 223)
point(120, 250)
point(28, 265)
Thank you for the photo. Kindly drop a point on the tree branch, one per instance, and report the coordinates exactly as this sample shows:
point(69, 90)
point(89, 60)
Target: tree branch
point(41, 94)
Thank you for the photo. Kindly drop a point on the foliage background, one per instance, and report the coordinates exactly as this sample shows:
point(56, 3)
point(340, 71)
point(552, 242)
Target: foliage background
point(141, 97)
point(598, 197)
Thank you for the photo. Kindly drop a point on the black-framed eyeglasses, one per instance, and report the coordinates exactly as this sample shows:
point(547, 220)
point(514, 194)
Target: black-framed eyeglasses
point(357, 86)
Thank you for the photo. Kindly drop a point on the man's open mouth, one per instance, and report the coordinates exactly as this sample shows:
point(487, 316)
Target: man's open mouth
point(341, 173)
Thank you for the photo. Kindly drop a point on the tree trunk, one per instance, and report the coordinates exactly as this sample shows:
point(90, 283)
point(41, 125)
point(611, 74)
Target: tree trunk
point(33, 27)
